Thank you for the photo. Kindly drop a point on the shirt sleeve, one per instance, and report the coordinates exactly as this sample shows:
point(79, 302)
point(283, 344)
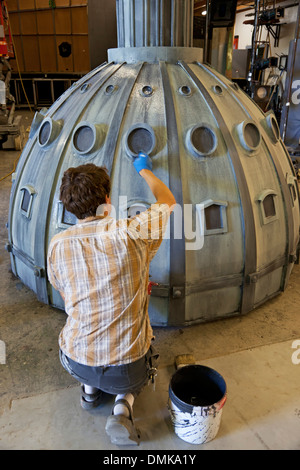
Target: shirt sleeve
point(150, 226)
point(51, 270)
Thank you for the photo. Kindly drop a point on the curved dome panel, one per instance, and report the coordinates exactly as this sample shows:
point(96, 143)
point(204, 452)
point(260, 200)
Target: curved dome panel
point(222, 157)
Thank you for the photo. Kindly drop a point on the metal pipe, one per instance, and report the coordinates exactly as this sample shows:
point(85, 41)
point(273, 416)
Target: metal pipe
point(287, 104)
point(140, 25)
point(250, 76)
point(205, 52)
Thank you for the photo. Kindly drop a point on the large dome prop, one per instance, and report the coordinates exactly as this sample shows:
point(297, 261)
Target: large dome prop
point(209, 142)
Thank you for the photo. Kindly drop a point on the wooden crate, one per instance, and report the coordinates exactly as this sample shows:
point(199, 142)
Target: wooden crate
point(81, 52)
point(39, 30)
point(78, 2)
point(63, 21)
point(63, 3)
point(31, 54)
point(15, 24)
point(48, 56)
point(20, 56)
point(42, 4)
point(24, 5)
point(45, 22)
point(79, 20)
point(13, 5)
point(27, 26)
point(65, 64)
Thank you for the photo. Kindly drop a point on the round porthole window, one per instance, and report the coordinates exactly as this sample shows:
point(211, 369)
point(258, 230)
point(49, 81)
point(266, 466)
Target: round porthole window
point(218, 89)
point(84, 88)
point(111, 89)
point(36, 122)
point(86, 138)
point(48, 132)
point(140, 138)
point(44, 133)
point(235, 86)
point(272, 127)
point(136, 209)
point(249, 135)
point(201, 140)
point(146, 91)
point(185, 90)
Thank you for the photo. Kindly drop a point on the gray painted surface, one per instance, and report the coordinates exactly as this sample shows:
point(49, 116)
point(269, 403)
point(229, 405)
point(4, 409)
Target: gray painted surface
point(209, 142)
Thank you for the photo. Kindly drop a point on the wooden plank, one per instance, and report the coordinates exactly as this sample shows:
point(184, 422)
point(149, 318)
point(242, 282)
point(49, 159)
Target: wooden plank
point(65, 64)
point(14, 23)
point(47, 46)
point(62, 3)
point(79, 20)
point(12, 5)
point(26, 5)
point(28, 23)
point(81, 54)
point(62, 21)
point(19, 51)
point(45, 23)
point(78, 2)
point(31, 54)
point(42, 4)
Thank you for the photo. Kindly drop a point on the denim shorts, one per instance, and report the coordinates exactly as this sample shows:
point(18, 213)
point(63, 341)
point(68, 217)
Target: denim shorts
point(125, 378)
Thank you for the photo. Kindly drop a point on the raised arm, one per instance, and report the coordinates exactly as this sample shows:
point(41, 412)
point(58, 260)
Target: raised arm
point(161, 192)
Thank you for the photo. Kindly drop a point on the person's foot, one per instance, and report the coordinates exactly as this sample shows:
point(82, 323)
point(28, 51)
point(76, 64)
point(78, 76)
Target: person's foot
point(90, 401)
point(120, 428)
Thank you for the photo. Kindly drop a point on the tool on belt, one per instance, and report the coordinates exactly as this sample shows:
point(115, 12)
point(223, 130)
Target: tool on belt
point(152, 362)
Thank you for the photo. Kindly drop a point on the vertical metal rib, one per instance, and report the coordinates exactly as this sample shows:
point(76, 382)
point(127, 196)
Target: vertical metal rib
point(150, 23)
point(132, 35)
point(147, 25)
point(114, 129)
point(177, 246)
point(285, 192)
point(246, 203)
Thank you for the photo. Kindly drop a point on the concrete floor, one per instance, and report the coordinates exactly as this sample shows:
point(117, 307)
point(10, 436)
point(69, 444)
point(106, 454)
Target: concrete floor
point(40, 409)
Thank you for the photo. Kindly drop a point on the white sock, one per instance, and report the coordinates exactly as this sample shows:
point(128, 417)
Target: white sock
point(122, 409)
point(90, 390)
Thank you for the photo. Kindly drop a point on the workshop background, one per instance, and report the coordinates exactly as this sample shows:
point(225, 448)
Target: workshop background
point(46, 47)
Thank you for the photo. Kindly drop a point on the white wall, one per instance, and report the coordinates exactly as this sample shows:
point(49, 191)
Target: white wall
point(287, 31)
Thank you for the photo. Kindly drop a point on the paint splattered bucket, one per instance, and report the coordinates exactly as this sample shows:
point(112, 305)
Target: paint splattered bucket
point(197, 395)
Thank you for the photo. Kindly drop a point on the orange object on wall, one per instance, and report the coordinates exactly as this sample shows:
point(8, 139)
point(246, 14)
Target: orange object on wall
point(6, 44)
point(236, 42)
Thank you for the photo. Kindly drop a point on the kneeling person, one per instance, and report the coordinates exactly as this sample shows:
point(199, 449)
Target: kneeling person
point(100, 266)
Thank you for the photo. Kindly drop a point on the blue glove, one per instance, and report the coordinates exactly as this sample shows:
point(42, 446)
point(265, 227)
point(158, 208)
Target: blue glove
point(142, 162)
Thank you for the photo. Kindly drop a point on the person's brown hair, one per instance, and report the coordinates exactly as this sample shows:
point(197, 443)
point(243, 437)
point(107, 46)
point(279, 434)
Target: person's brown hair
point(83, 189)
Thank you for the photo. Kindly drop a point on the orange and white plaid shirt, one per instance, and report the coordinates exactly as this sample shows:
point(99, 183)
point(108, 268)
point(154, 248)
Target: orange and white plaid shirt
point(101, 267)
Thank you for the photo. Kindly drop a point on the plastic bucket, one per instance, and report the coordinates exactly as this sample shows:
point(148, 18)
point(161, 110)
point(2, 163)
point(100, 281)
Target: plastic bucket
point(197, 395)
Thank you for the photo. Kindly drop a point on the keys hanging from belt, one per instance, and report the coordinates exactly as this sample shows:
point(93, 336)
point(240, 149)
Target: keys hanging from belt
point(152, 375)
point(150, 285)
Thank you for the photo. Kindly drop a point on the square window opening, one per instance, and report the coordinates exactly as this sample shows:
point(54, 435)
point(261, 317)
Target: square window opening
point(68, 218)
point(213, 217)
point(25, 204)
point(269, 206)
